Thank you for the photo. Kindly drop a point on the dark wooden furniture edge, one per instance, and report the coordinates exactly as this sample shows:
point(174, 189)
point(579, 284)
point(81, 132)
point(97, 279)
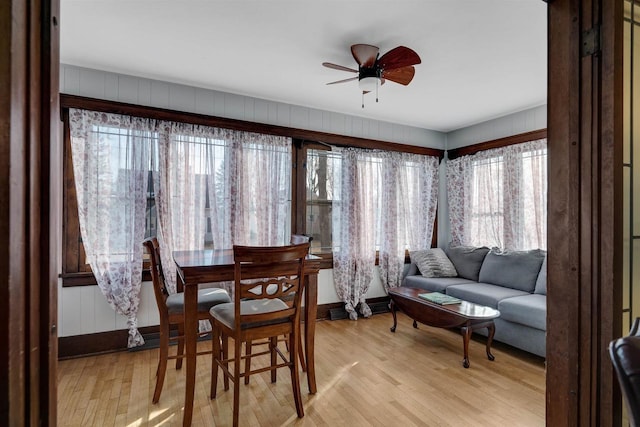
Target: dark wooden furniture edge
point(73, 101)
point(112, 341)
point(497, 143)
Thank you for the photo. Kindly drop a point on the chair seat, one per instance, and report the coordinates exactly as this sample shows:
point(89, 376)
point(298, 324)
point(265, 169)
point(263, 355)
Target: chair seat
point(206, 299)
point(225, 312)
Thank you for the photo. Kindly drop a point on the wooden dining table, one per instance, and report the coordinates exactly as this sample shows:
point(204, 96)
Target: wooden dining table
point(217, 265)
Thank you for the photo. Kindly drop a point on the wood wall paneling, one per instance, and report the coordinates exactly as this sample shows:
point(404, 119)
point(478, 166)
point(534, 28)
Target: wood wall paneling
point(136, 90)
point(72, 101)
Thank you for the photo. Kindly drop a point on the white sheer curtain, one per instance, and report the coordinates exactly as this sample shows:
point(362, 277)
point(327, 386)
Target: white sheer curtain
point(261, 191)
point(213, 188)
point(111, 156)
point(409, 188)
point(181, 183)
point(355, 206)
point(383, 201)
point(498, 197)
point(220, 187)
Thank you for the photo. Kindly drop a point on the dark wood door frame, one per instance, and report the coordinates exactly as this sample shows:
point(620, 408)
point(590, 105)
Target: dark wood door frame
point(585, 210)
point(28, 266)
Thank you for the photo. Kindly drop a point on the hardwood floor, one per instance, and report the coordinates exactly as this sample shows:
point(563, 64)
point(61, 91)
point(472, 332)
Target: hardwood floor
point(367, 376)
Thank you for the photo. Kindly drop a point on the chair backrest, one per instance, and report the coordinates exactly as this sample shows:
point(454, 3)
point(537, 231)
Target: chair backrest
point(157, 276)
point(267, 273)
point(625, 355)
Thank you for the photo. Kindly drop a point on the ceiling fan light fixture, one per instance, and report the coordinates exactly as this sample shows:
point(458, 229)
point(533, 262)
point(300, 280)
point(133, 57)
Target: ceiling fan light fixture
point(369, 84)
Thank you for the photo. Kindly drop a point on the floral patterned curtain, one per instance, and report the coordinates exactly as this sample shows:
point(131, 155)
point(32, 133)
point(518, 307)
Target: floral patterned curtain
point(498, 197)
point(260, 194)
point(218, 187)
point(180, 182)
point(213, 188)
point(409, 189)
point(111, 155)
point(384, 201)
point(355, 206)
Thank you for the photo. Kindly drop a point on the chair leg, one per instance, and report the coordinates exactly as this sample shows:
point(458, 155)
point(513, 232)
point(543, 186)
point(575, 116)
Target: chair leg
point(162, 361)
point(180, 346)
point(225, 356)
point(274, 358)
point(247, 361)
point(215, 355)
point(303, 363)
point(295, 375)
point(236, 380)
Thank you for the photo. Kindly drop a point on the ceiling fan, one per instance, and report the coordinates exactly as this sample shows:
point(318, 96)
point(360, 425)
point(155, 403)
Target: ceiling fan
point(373, 70)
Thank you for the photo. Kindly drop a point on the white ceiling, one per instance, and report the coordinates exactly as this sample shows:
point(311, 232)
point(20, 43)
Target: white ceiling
point(481, 59)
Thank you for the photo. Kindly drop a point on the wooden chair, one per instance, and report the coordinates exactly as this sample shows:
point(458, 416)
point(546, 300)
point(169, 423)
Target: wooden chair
point(171, 309)
point(625, 356)
point(264, 278)
point(296, 239)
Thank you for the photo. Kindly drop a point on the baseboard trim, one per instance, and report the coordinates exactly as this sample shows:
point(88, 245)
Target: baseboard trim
point(112, 341)
point(97, 343)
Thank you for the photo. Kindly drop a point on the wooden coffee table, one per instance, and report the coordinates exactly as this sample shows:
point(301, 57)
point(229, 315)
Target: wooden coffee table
point(466, 315)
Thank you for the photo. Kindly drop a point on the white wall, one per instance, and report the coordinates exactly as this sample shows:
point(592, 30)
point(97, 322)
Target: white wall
point(512, 124)
point(84, 310)
point(154, 93)
point(501, 127)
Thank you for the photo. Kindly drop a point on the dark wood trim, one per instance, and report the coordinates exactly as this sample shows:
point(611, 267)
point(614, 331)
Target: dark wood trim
point(584, 213)
point(497, 143)
point(28, 102)
point(323, 310)
point(98, 343)
point(87, 278)
point(111, 341)
point(72, 101)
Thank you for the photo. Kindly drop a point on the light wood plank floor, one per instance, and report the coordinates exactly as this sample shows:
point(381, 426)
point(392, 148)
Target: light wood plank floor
point(366, 376)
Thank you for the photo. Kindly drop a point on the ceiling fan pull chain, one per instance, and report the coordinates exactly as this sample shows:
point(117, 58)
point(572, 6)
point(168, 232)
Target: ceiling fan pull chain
point(362, 99)
point(377, 84)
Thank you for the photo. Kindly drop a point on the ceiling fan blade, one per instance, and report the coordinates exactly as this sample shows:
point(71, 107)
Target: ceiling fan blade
point(402, 75)
point(343, 81)
point(365, 54)
point(338, 67)
point(399, 57)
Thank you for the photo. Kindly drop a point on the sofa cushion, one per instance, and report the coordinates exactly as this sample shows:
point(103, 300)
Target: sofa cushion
point(541, 282)
point(434, 284)
point(512, 269)
point(433, 263)
point(528, 310)
point(483, 293)
point(467, 260)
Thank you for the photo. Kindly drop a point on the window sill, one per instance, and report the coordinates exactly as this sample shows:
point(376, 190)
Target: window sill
point(71, 280)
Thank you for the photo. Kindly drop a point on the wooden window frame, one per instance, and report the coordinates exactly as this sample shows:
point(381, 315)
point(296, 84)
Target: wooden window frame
point(76, 273)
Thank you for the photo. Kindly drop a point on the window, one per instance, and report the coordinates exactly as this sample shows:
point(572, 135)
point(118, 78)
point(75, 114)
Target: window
point(304, 196)
point(487, 203)
point(498, 197)
point(319, 195)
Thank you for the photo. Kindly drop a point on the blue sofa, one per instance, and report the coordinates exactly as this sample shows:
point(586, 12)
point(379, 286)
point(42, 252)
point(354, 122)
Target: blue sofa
point(514, 282)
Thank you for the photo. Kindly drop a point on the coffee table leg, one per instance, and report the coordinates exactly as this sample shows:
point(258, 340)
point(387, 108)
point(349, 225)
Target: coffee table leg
point(466, 336)
point(492, 330)
point(415, 324)
point(392, 306)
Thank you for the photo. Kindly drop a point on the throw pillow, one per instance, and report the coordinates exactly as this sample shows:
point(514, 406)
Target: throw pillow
point(512, 269)
point(541, 283)
point(467, 260)
point(433, 263)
